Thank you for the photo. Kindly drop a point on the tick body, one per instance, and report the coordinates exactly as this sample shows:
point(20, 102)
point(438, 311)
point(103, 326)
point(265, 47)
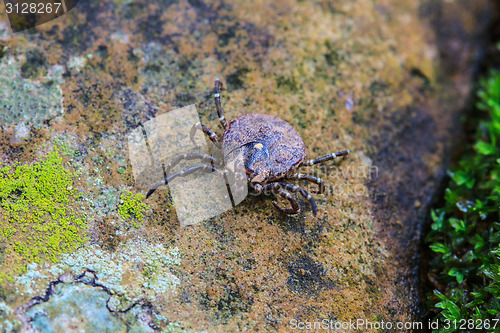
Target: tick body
point(270, 149)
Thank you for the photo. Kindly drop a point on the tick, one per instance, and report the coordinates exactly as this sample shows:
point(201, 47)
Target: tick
point(270, 149)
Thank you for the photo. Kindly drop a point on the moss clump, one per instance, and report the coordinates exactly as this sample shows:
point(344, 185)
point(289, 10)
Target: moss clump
point(466, 232)
point(132, 206)
point(37, 216)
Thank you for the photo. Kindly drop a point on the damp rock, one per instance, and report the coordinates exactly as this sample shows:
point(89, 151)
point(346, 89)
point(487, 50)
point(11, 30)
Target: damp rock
point(21, 134)
point(33, 100)
point(76, 308)
point(76, 63)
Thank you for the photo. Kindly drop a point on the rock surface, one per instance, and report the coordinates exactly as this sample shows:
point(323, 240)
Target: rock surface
point(387, 80)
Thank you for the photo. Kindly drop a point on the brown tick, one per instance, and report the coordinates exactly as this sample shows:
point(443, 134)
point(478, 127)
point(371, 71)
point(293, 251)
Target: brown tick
point(270, 148)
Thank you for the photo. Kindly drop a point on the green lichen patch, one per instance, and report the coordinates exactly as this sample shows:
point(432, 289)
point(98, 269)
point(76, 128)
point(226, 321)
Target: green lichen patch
point(38, 218)
point(23, 99)
point(132, 206)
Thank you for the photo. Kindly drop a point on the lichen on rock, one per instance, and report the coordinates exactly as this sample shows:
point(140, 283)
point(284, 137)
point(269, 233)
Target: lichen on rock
point(28, 100)
point(134, 271)
point(40, 215)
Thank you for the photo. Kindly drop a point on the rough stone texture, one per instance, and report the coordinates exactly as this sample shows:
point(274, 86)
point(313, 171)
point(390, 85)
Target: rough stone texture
point(386, 80)
point(28, 100)
point(414, 150)
point(75, 308)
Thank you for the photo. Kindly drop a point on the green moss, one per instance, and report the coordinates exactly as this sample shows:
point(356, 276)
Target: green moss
point(132, 206)
point(38, 220)
point(465, 232)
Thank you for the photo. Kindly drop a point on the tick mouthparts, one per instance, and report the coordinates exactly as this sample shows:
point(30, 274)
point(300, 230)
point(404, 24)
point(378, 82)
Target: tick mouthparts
point(252, 177)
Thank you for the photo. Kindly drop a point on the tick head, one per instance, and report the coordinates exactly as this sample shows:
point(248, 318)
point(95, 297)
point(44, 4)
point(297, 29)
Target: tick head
point(253, 158)
point(257, 162)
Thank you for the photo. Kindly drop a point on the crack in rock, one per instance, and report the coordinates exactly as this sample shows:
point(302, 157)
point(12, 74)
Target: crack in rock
point(90, 278)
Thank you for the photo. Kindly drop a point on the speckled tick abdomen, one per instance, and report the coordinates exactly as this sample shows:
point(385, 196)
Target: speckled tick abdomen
point(284, 144)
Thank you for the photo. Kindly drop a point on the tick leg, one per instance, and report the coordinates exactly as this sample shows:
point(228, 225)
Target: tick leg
point(202, 167)
point(220, 112)
point(191, 156)
point(325, 158)
point(206, 130)
point(277, 187)
point(290, 211)
point(312, 179)
point(295, 206)
point(307, 196)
